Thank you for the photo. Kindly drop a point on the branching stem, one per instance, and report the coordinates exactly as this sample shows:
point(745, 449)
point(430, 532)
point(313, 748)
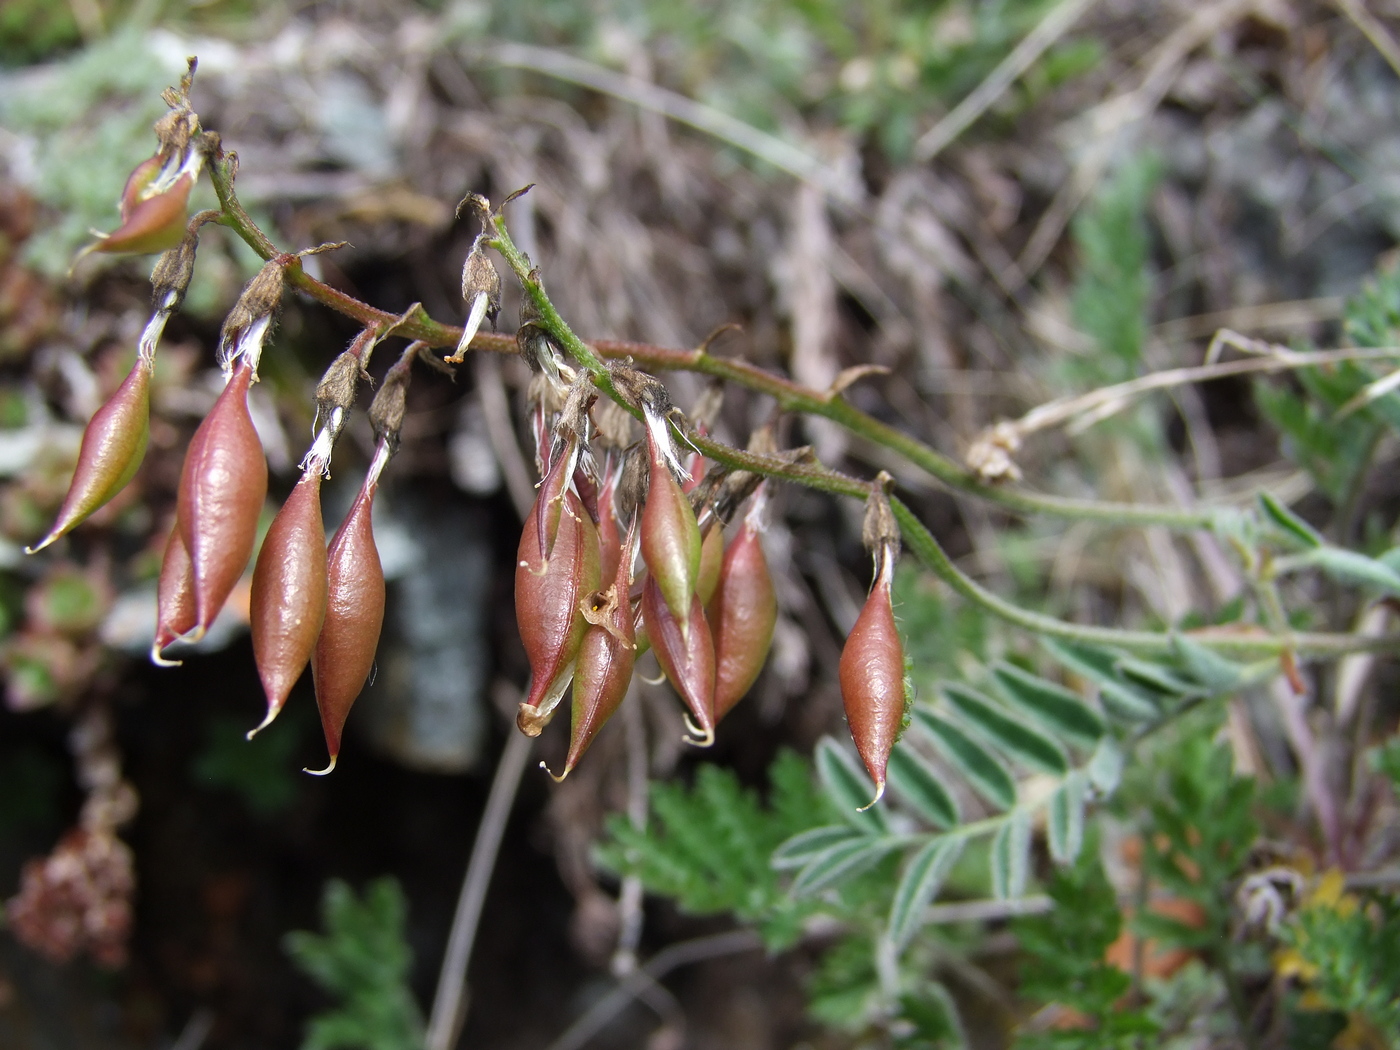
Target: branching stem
point(791, 396)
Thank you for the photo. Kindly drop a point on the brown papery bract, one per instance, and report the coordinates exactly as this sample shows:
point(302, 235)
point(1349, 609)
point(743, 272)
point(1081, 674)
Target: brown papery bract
point(287, 606)
point(742, 617)
point(222, 489)
point(686, 653)
point(344, 654)
point(872, 678)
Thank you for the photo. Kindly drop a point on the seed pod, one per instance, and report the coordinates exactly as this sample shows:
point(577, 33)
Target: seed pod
point(222, 488)
point(605, 660)
point(557, 565)
point(175, 614)
point(288, 602)
point(609, 534)
point(344, 654)
point(872, 662)
point(742, 617)
point(153, 218)
point(686, 653)
point(114, 444)
point(670, 537)
point(711, 562)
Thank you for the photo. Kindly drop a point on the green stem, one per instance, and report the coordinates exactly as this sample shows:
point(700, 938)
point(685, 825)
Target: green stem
point(790, 396)
point(927, 550)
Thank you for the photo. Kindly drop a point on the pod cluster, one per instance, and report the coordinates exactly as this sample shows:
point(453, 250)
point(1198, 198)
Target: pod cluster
point(585, 606)
point(623, 550)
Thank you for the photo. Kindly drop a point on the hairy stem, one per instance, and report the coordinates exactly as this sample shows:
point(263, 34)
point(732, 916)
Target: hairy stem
point(790, 396)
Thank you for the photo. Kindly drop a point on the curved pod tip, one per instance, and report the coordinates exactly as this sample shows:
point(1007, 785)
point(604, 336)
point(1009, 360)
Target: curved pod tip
point(320, 772)
point(879, 794)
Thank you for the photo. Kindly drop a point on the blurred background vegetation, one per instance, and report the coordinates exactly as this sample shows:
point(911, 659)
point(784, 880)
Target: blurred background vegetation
point(850, 183)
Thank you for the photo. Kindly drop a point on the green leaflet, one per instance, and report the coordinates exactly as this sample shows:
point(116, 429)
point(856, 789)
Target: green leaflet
point(1287, 522)
point(1121, 698)
point(916, 784)
point(1350, 567)
point(847, 785)
point(797, 851)
point(1054, 706)
point(923, 877)
point(1016, 739)
point(1105, 768)
point(1065, 819)
point(1159, 679)
point(1010, 857)
point(840, 862)
point(982, 769)
point(1217, 674)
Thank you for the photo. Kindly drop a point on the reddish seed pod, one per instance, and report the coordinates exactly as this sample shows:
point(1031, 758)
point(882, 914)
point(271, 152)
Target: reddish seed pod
point(686, 653)
point(670, 537)
point(151, 221)
point(222, 489)
point(287, 606)
point(549, 585)
point(609, 533)
point(175, 614)
point(344, 654)
point(605, 661)
point(742, 617)
point(872, 678)
point(114, 444)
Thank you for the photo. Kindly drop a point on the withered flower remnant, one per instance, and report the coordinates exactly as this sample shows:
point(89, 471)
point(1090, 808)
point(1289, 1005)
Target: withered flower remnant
point(871, 669)
point(481, 284)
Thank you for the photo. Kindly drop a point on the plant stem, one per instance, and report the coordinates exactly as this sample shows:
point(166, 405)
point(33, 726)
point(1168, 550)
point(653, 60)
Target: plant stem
point(445, 1025)
point(793, 397)
point(790, 396)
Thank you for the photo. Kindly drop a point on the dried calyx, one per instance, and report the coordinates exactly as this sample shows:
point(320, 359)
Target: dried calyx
point(481, 284)
point(249, 323)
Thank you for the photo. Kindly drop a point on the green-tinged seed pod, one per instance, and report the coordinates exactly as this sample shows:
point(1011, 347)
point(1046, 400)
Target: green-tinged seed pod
point(175, 614)
point(344, 654)
point(151, 222)
point(670, 537)
point(605, 660)
point(114, 444)
point(287, 606)
point(222, 488)
point(609, 530)
point(742, 617)
point(550, 582)
point(686, 653)
point(711, 562)
point(872, 678)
